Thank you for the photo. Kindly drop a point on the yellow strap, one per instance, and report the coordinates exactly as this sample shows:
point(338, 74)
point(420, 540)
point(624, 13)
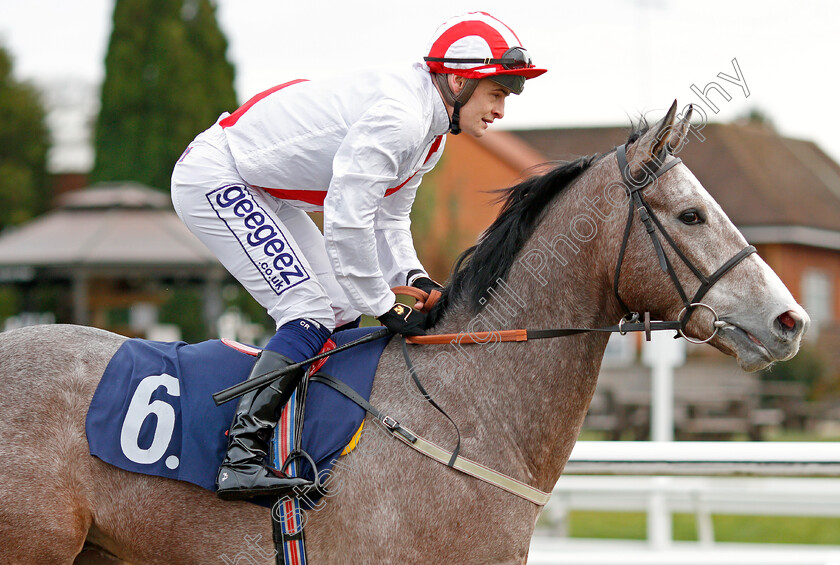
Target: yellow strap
point(354, 441)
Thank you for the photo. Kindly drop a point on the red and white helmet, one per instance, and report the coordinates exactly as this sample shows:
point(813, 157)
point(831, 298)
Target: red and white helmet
point(477, 45)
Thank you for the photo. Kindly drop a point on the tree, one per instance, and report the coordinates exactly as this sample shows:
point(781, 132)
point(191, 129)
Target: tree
point(24, 142)
point(167, 78)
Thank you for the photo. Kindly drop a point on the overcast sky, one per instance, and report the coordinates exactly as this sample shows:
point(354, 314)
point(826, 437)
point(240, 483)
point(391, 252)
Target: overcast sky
point(607, 59)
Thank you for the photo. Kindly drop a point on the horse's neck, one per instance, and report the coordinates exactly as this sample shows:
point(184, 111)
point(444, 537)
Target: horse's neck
point(529, 399)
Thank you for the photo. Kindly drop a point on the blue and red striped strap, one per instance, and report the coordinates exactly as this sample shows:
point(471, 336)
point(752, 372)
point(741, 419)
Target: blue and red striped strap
point(286, 515)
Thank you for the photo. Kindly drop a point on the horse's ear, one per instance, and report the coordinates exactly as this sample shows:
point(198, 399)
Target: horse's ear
point(678, 136)
point(652, 146)
point(664, 130)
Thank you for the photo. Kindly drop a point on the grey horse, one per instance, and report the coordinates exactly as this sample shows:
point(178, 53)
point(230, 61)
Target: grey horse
point(548, 261)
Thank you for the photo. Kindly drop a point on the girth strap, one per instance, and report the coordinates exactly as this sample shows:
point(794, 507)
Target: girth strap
point(434, 451)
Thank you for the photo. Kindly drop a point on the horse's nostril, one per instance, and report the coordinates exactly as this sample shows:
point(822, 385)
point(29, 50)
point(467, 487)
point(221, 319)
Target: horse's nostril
point(789, 320)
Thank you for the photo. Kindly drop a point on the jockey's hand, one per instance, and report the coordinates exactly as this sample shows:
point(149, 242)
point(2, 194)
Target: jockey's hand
point(426, 284)
point(404, 320)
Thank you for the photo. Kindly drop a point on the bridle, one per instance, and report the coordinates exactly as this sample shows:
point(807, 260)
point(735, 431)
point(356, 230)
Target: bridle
point(651, 223)
point(631, 321)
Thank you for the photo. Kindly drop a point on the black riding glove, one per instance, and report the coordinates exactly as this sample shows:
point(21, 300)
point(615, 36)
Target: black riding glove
point(426, 284)
point(404, 320)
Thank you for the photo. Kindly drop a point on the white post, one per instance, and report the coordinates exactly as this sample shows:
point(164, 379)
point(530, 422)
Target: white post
point(703, 518)
point(659, 526)
point(662, 402)
point(662, 354)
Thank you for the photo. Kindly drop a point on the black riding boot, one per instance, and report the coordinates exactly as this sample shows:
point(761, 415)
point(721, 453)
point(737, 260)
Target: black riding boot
point(244, 472)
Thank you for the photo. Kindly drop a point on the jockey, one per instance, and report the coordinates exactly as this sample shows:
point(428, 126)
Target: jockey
point(355, 148)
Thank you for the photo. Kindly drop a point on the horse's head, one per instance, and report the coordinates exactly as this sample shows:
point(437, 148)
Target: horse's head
point(758, 322)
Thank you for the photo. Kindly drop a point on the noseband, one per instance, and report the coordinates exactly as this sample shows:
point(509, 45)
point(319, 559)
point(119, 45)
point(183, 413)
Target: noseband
point(651, 224)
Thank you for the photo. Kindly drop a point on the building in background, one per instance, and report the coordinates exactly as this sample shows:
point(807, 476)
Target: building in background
point(111, 253)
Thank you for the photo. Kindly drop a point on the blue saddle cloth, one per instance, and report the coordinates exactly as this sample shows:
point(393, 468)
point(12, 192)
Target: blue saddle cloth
point(153, 410)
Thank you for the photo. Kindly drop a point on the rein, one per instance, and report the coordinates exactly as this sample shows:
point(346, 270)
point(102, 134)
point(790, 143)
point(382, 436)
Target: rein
point(623, 326)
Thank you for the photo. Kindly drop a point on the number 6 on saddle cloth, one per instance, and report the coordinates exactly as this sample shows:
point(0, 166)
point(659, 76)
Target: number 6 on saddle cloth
point(153, 411)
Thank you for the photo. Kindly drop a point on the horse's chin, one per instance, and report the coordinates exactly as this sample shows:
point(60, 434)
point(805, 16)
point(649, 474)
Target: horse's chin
point(750, 352)
point(750, 362)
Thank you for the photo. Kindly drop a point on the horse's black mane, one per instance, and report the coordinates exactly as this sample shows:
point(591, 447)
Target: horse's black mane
point(480, 267)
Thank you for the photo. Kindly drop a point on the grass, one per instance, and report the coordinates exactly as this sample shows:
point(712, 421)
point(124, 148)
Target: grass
point(743, 529)
point(796, 435)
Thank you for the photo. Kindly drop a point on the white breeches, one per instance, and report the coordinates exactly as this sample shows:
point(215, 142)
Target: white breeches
point(272, 248)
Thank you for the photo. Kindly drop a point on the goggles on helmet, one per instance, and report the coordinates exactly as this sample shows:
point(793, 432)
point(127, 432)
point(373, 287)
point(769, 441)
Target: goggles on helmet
point(513, 59)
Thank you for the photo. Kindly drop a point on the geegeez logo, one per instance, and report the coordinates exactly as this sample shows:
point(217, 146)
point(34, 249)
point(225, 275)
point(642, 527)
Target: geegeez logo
point(260, 237)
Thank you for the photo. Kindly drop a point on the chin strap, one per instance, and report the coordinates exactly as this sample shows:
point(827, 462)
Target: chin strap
point(457, 102)
point(454, 125)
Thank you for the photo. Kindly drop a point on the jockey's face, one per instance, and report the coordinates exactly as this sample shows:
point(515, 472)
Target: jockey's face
point(485, 105)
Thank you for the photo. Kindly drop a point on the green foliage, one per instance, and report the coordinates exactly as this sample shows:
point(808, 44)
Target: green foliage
point(167, 79)
point(437, 248)
point(183, 308)
point(10, 302)
point(452, 242)
point(24, 141)
point(808, 367)
point(236, 297)
point(423, 221)
point(757, 116)
point(423, 210)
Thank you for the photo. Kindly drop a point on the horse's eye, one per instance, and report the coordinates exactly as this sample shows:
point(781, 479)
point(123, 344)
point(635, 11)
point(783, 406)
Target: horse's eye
point(692, 217)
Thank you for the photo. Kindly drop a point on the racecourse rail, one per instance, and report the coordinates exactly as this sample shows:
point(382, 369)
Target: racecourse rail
point(782, 459)
point(703, 478)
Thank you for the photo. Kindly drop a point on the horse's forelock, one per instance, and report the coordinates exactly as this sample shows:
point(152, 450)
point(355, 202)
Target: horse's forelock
point(637, 130)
